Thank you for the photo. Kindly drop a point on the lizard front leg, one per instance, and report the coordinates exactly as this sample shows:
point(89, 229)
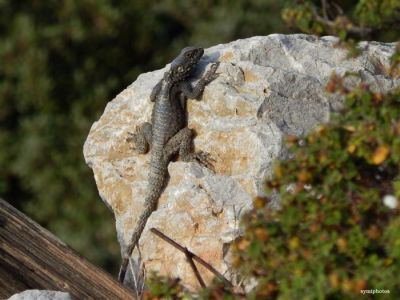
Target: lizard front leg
point(182, 143)
point(195, 92)
point(142, 138)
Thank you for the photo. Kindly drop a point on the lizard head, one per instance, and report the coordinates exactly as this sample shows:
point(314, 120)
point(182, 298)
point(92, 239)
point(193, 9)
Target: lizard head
point(183, 65)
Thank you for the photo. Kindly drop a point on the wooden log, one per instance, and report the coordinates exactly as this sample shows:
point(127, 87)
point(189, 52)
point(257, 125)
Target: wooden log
point(33, 258)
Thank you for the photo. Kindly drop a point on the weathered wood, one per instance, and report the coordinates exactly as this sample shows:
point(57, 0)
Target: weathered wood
point(32, 258)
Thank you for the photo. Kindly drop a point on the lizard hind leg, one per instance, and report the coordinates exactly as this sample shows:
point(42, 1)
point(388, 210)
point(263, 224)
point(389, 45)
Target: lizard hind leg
point(182, 143)
point(142, 138)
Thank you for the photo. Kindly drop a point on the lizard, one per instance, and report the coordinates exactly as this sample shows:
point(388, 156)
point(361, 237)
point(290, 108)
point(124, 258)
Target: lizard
point(168, 135)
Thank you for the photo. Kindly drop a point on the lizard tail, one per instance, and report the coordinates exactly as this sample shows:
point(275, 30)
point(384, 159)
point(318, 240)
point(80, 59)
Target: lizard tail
point(150, 206)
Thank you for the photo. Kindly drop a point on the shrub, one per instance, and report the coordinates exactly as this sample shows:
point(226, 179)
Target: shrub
point(338, 230)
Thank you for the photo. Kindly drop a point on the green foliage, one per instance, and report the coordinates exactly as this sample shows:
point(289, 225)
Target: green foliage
point(333, 236)
point(377, 13)
point(163, 288)
point(159, 287)
point(61, 62)
point(349, 20)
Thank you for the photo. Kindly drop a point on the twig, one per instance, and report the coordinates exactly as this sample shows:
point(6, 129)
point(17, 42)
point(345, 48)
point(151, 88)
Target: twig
point(124, 264)
point(338, 9)
point(361, 31)
point(138, 275)
point(194, 268)
point(194, 256)
point(324, 9)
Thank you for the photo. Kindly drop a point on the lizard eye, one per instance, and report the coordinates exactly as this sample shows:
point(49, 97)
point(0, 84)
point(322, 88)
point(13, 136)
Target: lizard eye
point(180, 69)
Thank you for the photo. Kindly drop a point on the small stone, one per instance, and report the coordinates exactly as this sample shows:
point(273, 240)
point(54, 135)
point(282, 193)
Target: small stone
point(40, 295)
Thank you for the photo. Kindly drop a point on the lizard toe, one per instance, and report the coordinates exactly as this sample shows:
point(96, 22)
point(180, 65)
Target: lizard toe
point(205, 159)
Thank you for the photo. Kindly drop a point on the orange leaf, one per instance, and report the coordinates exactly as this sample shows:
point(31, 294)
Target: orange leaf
point(359, 284)
point(347, 285)
point(349, 128)
point(351, 148)
point(303, 176)
point(373, 232)
point(380, 154)
point(259, 202)
point(333, 280)
point(294, 243)
point(341, 243)
point(243, 244)
point(331, 86)
point(261, 234)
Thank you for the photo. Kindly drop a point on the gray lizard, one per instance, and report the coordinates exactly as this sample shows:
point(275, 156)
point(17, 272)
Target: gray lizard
point(168, 134)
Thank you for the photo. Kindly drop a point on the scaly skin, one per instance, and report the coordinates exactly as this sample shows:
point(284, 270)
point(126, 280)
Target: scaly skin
point(167, 134)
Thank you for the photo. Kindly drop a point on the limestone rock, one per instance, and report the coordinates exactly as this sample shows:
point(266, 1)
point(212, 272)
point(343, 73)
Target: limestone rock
point(40, 295)
point(269, 86)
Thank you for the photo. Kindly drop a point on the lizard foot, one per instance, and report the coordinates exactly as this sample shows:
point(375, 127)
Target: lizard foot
point(139, 145)
point(211, 75)
point(141, 139)
point(203, 158)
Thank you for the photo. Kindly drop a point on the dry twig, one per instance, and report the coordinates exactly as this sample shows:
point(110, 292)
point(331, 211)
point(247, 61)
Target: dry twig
point(192, 255)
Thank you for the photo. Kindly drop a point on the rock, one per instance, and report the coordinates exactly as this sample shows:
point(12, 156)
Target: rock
point(269, 87)
point(40, 295)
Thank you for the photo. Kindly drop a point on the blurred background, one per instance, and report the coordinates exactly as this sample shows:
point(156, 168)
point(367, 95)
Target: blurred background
point(62, 61)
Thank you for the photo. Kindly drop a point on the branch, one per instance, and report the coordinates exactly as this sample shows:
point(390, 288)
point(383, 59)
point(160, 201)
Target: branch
point(194, 268)
point(32, 258)
point(192, 255)
point(355, 30)
point(324, 9)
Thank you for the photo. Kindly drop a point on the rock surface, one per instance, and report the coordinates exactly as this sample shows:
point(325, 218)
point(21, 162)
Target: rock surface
point(40, 295)
point(268, 87)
